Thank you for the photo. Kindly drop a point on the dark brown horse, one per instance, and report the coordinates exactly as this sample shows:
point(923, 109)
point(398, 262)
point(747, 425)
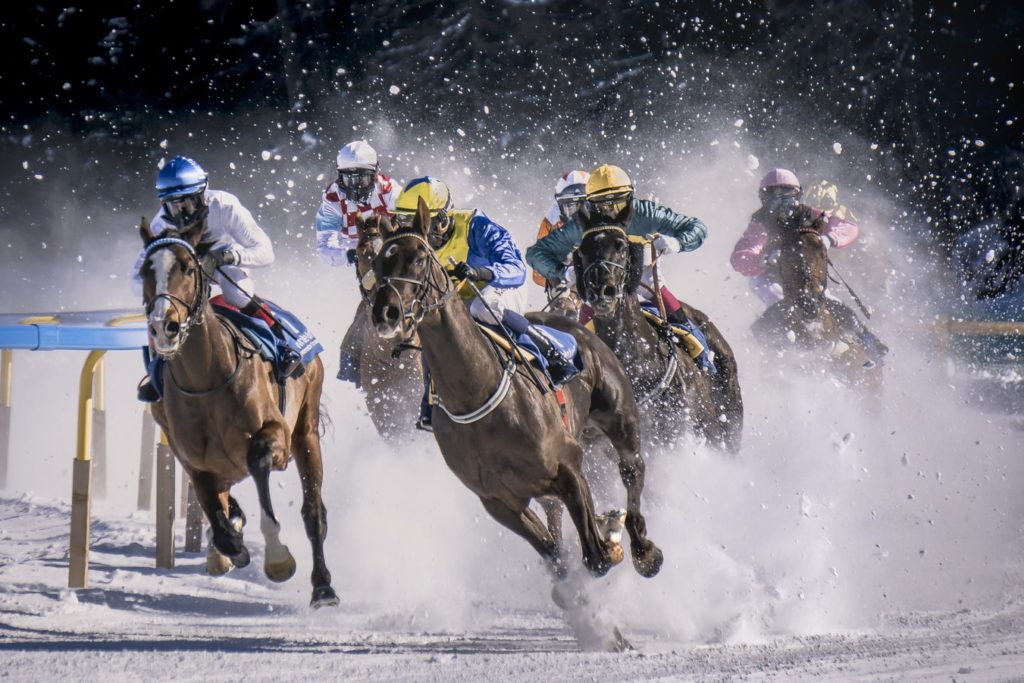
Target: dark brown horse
point(221, 415)
point(805, 322)
point(393, 386)
point(676, 395)
point(501, 432)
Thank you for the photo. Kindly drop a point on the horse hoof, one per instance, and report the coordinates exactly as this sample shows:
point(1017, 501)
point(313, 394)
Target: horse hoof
point(615, 554)
point(618, 642)
point(324, 596)
point(279, 572)
point(241, 559)
point(648, 563)
point(217, 564)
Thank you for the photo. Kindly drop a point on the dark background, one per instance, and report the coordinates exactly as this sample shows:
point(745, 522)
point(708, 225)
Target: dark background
point(934, 86)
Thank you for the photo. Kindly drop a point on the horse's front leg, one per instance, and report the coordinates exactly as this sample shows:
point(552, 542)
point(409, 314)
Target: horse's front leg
point(226, 522)
point(267, 448)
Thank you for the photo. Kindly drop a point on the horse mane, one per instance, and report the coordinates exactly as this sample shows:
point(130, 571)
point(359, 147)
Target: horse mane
point(635, 268)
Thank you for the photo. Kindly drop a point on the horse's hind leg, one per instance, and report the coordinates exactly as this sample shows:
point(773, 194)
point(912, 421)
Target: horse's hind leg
point(524, 522)
point(553, 513)
point(265, 447)
point(624, 435)
point(306, 449)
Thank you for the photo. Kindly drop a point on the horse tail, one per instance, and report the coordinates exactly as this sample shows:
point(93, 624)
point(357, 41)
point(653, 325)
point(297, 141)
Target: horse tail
point(325, 420)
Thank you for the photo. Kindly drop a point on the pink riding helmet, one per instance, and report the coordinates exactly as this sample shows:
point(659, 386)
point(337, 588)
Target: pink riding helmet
point(779, 176)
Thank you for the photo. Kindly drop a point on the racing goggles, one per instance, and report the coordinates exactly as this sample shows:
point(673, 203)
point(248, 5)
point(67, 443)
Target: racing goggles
point(568, 206)
point(610, 206)
point(185, 210)
point(438, 222)
point(780, 198)
point(356, 182)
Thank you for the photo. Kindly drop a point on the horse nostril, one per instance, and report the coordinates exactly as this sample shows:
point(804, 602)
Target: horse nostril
point(172, 328)
point(609, 292)
point(391, 315)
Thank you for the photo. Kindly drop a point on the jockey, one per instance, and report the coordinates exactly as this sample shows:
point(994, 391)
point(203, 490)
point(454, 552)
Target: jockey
point(485, 254)
point(610, 196)
point(782, 209)
point(570, 193)
point(360, 190)
point(238, 243)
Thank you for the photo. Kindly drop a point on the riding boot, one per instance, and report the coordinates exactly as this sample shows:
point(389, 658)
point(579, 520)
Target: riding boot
point(875, 347)
point(425, 420)
point(147, 392)
point(560, 368)
point(290, 360)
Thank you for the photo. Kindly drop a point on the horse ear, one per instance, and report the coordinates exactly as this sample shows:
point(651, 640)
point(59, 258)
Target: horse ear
point(385, 225)
point(145, 231)
point(422, 222)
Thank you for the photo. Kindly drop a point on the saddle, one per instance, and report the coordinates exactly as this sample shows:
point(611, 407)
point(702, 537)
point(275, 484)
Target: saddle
point(526, 350)
point(685, 335)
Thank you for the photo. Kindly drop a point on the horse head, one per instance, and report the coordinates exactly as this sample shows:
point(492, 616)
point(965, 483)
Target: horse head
point(410, 281)
point(608, 265)
point(174, 285)
point(803, 269)
point(371, 232)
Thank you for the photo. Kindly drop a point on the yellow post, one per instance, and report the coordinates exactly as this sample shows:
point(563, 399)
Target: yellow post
point(99, 434)
point(6, 368)
point(81, 483)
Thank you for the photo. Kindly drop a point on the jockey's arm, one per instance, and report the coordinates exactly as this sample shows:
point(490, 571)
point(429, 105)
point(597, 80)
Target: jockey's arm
point(650, 218)
point(493, 248)
point(389, 190)
point(543, 231)
point(253, 244)
point(331, 244)
point(547, 255)
point(748, 255)
point(842, 232)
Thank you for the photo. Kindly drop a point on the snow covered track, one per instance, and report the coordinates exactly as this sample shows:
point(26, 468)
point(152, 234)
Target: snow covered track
point(141, 623)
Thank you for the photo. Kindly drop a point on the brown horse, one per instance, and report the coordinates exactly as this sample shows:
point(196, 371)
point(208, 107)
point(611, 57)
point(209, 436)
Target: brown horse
point(221, 415)
point(393, 386)
point(676, 394)
point(805, 319)
point(501, 432)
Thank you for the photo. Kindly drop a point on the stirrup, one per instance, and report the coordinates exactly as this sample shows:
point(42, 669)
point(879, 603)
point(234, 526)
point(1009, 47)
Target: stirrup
point(147, 392)
point(424, 424)
point(290, 363)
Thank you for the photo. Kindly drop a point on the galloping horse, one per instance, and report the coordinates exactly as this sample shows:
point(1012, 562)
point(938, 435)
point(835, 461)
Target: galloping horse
point(221, 415)
point(803, 319)
point(675, 393)
point(501, 432)
point(393, 386)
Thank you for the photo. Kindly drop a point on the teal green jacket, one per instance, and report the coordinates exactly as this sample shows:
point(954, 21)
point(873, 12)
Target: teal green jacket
point(548, 255)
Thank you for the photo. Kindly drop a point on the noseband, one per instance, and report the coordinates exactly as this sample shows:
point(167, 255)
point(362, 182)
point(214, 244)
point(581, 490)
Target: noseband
point(193, 311)
point(593, 275)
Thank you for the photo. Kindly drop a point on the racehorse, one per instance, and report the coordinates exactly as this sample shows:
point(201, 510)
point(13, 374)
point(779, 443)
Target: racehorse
point(221, 414)
point(503, 433)
point(676, 395)
point(804, 319)
point(393, 386)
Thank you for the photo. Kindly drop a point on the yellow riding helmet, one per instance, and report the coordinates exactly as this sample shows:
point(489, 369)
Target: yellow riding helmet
point(432, 191)
point(607, 179)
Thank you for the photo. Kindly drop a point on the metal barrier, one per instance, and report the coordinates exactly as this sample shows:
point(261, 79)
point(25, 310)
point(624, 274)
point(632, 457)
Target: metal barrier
point(80, 331)
point(948, 328)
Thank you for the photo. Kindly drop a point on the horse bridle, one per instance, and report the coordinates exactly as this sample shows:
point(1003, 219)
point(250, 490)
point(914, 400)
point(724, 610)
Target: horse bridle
point(193, 311)
point(591, 274)
point(419, 308)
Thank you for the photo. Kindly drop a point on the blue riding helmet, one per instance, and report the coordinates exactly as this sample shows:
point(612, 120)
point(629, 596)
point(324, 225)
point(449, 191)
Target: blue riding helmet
point(180, 177)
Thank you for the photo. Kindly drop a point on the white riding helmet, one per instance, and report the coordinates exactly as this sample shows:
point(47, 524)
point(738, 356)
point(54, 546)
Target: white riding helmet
point(357, 154)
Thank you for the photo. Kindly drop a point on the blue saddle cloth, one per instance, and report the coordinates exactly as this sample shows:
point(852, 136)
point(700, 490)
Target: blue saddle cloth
point(297, 337)
point(704, 359)
point(563, 341)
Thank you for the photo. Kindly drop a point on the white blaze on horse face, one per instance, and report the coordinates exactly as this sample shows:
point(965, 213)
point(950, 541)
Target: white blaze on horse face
point(161, 263)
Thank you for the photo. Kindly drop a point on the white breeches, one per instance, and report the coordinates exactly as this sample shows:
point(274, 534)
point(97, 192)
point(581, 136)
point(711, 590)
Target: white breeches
point(499, 300)
point(236, 296)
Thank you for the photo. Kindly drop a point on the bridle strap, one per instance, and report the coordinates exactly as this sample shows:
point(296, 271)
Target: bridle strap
point(193, 311)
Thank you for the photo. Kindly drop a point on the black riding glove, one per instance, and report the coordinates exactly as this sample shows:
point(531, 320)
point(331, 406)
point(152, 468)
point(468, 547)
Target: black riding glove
point(464, 271)
point(227, 256)
point(351, 256)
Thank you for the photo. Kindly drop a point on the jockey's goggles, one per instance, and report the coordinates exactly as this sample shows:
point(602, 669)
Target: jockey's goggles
point(356, 182)
point(185, 210)
point(779, 192)
point(610, 205)
point(438, 222)
point(568, 206)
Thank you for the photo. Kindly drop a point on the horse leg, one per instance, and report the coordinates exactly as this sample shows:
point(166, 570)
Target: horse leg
point(598, 555)
point(521, 520)
point(625, 436)
point(306, 449)
point(725, 382)
point(224, 537)
point(553, 513)
point(264, 445)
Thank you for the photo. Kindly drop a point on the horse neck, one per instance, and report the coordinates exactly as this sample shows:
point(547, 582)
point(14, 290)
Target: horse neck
point(463, 365)
point(627, 332)
point(207, 356)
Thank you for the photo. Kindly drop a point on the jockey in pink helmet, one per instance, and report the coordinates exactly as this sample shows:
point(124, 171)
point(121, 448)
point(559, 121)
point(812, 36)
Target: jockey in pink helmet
point(781, 209)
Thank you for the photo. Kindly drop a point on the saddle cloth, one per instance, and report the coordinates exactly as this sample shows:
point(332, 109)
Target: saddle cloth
point(687, 336)
point(528, 351)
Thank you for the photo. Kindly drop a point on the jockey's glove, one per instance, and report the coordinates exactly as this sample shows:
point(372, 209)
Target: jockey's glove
point(228, 256)
point(464, 271)
point(350, 256)
point(569, 276)
point(666, 244)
